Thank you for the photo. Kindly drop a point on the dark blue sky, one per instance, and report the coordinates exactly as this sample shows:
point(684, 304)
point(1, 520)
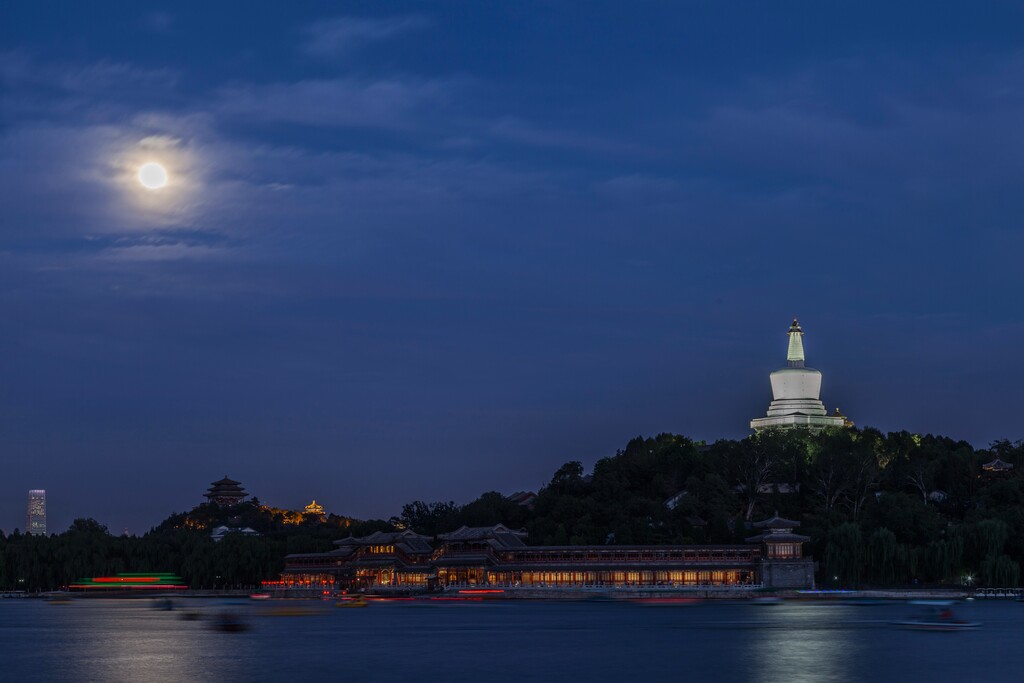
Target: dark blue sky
point(441, 249)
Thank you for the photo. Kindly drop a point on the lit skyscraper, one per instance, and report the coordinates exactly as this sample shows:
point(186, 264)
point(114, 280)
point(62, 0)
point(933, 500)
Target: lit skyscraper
point(35, 522)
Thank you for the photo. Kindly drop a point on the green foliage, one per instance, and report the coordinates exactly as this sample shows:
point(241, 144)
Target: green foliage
point(181, 544)
point(882, 553)
point(881, 509)
point(844, 555)
point(428, 518)
point(1000, 571)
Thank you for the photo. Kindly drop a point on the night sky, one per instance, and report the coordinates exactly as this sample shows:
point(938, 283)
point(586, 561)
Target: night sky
point(441, 249)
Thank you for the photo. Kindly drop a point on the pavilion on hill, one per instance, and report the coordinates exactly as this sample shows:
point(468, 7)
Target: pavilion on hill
point(226, 492)
point(997, 466)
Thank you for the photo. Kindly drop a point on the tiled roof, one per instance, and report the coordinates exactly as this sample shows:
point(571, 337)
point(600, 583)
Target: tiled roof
point(483, 533)
point(781, 538)
point(407, 540)
point(776, 522)
point(997, 465)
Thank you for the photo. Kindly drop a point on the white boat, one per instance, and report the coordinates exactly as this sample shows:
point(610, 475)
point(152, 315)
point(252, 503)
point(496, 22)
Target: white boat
point(939, 618)
point(938, 625)
point(766, 600)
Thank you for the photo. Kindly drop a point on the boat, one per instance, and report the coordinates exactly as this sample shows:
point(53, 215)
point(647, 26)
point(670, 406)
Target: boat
point(939, 618)
point(867, 602)
point(163, 604)
point(667, 601)
point(766, 600)
point(229, 622)
point(293, 611)
point(937, 625)
point(358, 601)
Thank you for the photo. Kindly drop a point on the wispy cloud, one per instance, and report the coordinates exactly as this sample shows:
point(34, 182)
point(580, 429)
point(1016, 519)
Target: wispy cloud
point(19, 69)
point(386, 103)
point(333, 37)
point(523, 132)
point(158, 21)
point(162, 251)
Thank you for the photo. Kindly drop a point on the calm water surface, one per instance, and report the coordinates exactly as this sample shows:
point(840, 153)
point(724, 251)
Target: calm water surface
point(127, 640)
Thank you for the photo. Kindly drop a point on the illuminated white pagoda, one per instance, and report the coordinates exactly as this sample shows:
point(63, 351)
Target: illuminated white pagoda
point(795, 391)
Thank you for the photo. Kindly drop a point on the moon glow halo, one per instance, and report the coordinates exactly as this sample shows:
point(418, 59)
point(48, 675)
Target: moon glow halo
point(153, 176)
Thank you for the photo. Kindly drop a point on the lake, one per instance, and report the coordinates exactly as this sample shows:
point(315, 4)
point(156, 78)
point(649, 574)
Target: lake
point(570, 642)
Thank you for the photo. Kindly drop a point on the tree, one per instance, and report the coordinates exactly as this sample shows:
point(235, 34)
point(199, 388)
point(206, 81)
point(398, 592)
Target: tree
point(831, 478)
point(921, 473)
point(1000, 571)
point(881, 556)
point(428, 518)
point(844, 555)
point(86, 526)
point(493, 508)
point(568, 478)
point(864, 470)
point(752, 464)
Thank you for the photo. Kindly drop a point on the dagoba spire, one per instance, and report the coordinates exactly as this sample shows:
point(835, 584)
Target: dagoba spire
point(796, 346)
point(795, 393)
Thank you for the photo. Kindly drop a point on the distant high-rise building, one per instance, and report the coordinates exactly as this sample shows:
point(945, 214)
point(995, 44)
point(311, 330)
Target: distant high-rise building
point(35, 522)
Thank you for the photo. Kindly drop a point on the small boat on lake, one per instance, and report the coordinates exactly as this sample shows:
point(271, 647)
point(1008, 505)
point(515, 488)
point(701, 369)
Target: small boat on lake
point(358, 601)
point(939, 617)
point(229, 622)
point(673, 601)
point(766, 600)
point(293, 611)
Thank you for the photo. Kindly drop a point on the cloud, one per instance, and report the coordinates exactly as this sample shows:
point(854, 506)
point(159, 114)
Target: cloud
point(519, 131)
point(60, 179)
point(158, 21)
point(19, 69)
point(388, 103)
point(333, 37)
point(162, 251)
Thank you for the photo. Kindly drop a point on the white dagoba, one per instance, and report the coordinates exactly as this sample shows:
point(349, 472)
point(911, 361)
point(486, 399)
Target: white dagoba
point(795, 391)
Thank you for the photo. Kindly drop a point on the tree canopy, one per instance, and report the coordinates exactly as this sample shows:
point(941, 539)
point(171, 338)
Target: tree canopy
point(881, 509)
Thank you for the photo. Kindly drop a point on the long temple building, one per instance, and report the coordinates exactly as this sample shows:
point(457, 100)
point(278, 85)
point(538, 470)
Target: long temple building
point(498, 557)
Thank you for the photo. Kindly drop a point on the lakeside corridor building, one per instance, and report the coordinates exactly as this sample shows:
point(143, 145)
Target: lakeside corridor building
point(497, 557)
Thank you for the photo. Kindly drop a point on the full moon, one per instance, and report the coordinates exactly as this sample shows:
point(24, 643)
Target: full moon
point(152, 176)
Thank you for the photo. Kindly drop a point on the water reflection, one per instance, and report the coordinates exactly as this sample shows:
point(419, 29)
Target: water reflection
point(128, 640)
point(799, 642)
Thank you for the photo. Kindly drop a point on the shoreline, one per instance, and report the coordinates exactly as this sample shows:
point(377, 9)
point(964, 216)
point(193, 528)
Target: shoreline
point(653, 594)
point(578, 594)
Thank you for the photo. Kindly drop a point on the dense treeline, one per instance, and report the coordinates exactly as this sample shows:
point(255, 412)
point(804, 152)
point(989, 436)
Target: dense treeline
point(181, 544)
point(881, 509)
